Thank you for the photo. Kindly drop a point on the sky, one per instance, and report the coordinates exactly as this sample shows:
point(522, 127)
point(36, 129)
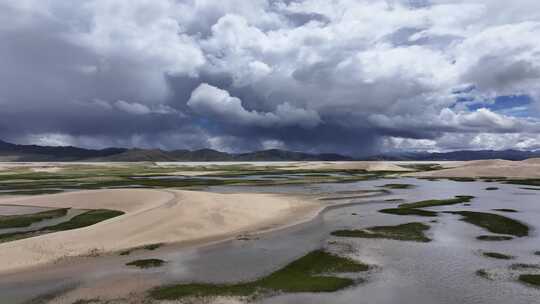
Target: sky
point(357, 77)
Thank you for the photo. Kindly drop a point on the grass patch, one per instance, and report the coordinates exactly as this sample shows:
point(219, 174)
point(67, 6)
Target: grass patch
point(524, 267)
point(492, 188)
point(527, 182)
point(152, 246)
point(137, 176)
point(462, 179)
point(483, 273)
point(423, 167)
point(106, 181)
point(494, 223)
point(397, 186)
point(307, 274)
point(146, 263)
point(404, 232)
point(531, 279)
point(146, 247)
point(506, 210)
point(433, 203)
point(31, 192)
point(496, 255)
point(409, 211)
point(25, 220)
point(494, 238)
point(82, 220)
point(86, 219)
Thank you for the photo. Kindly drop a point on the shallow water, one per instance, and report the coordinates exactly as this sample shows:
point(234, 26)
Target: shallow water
point(16, 210)
point(44, 223)
point(442, 271)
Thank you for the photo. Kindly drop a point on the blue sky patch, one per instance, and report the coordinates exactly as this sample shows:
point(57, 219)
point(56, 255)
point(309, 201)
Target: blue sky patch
point(512, 105)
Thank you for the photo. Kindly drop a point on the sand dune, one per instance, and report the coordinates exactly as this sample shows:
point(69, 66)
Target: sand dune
point(152, 216)
point(532, 161)
point(53, 167)
point(348, 165)
point(529, 168)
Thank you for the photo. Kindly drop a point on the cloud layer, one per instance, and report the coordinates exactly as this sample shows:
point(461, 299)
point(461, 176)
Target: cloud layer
point(350, 76)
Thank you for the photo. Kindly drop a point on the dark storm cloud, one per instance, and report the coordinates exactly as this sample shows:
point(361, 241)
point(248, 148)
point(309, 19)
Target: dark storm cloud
point(341, 76)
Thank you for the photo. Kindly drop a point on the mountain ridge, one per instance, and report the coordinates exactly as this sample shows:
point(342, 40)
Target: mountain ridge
point(29, 153)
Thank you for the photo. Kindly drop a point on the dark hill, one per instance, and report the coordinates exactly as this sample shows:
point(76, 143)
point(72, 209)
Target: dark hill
point(14, 152)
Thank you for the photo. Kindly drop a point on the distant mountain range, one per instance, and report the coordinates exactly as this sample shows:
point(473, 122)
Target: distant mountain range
point(461, 155)
point(13, 152)
point(25, 153)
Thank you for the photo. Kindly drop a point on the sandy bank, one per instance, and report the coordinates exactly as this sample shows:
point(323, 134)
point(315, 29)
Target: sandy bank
point(348, 165)
point(529, 168)
point(53, 167)
point(152, 216)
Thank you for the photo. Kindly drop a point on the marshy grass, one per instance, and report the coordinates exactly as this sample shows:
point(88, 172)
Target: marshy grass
point(462, 179)
point(494, 223)
point(524, 267)
point(25, 220)
point(423, 167)
point(494, 238)
point(435, 202)
point(31, 192)
point(531, 279)
point(146, 263)
point(152, 246)
point(145, 247)
point(483, 273)
point(85, 219)
point(506, 210)
point(138, 177)
point(529, 188)
point(497, 255)
point(526, 182)
point(404, 232)
point(397, 186)
point(409, 211)
point(310, 273)
point(82, 220)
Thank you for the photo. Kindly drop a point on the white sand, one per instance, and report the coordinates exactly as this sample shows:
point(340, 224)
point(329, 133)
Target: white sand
point(152, 216)
point(529, 168)
point(290, 165)
point(347, 165)
point(46, 169)
point(303, 165)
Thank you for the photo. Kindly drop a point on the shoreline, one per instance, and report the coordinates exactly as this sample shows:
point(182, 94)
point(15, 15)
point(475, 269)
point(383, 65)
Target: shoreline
point(310, 210)
point(69, 267)
point(280, 212)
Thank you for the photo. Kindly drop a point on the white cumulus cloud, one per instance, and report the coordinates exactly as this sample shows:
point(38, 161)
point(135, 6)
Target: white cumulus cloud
point(211, 101)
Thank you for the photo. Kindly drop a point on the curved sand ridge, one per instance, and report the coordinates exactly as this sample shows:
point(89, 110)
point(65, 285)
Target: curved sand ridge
point(152, 216)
